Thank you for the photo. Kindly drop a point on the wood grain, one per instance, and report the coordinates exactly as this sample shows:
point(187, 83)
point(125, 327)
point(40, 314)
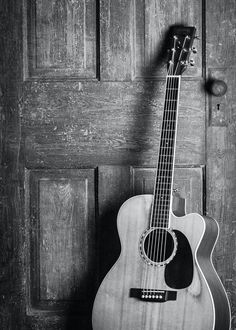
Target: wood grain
point(187, 182)
point(61, 38)
point(114, 308)
point(75, 124)
point(132, 33)
point(66, 124)
point(62, 237)
point(221, 132)
point(117, 183)
point(11, 167)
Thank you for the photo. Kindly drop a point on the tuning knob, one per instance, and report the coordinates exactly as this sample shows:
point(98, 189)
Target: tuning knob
point(194, 50)
point(191, 62)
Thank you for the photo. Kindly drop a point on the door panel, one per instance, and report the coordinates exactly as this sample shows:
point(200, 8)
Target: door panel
point(61, 260)
point(67, 124)
point(131, 32)
point(61, 39)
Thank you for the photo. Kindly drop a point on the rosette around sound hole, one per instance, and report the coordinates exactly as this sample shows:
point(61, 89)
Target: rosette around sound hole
point(159, 245)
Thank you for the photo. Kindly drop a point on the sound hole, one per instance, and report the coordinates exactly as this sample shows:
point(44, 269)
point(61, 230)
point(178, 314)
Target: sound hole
point(159, 245)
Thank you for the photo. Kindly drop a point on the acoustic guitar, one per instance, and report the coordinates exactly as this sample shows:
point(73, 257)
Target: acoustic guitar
point(164, 278)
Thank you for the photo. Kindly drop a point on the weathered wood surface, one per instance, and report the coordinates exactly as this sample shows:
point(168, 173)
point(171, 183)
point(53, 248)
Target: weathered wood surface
point(61, 38)
point(131, 32)
point(221, 133)
point(11, 174)
point(67, 124)
point(85, 124)
point(188, 182)
point(62, 239)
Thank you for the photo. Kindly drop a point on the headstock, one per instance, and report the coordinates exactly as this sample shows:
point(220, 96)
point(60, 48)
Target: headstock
point(180, 45)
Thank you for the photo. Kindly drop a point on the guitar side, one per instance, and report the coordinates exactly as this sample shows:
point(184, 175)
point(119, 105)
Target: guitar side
point(203, 305)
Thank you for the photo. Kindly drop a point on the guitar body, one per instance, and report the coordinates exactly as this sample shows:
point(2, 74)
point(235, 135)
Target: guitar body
point(200, 301)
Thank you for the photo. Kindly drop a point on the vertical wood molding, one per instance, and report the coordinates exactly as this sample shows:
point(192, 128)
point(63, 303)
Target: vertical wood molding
point(221, 134)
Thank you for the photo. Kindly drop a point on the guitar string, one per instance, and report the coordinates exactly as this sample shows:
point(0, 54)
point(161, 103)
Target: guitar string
point(162, 187)
point(164, 193)
point(173, 115)
point(156, 208)
point(172, 106)
point(158, 188)
point(165, 179)
point(158, 230)
point(167, 154)
point(161, 191)
point(152, 223)
point(173, 132)
point(171, 102)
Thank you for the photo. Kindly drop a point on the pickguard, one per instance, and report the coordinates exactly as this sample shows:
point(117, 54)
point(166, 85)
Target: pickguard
point(179, 272)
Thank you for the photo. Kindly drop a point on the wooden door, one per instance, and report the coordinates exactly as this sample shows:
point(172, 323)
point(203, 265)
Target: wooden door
point(84, 137)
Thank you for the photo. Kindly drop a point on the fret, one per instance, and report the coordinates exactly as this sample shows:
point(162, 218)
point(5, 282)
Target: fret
point(166, 163)
point(161, 212)
point(163, 171)
point(160, 182)
point(166, 142)
point(168, 138)
point(167, 198)
point(163, 207)
point(160, 225)
point(170, 120)
point(156, 225)
point(166, 155)
point(163, 216)
point(165, 183)
point(164, 174)
point(163, 221)
point(162, 199)
point(161, 194)
point(168, 129)
point(169, 111)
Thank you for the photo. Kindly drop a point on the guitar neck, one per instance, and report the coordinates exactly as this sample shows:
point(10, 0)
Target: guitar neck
point(165, 166)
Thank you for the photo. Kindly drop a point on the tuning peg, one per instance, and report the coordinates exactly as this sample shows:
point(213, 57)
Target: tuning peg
point(191, 62)
point(194, 50)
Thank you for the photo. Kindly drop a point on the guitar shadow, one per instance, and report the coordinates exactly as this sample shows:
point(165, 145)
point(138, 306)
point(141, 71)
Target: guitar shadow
point(143, 110)
point(108, 240)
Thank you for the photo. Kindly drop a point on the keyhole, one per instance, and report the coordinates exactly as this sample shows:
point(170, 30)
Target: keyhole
point(218, 106)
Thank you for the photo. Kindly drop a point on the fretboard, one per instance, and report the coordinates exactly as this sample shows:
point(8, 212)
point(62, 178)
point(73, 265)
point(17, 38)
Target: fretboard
point(165, 165)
